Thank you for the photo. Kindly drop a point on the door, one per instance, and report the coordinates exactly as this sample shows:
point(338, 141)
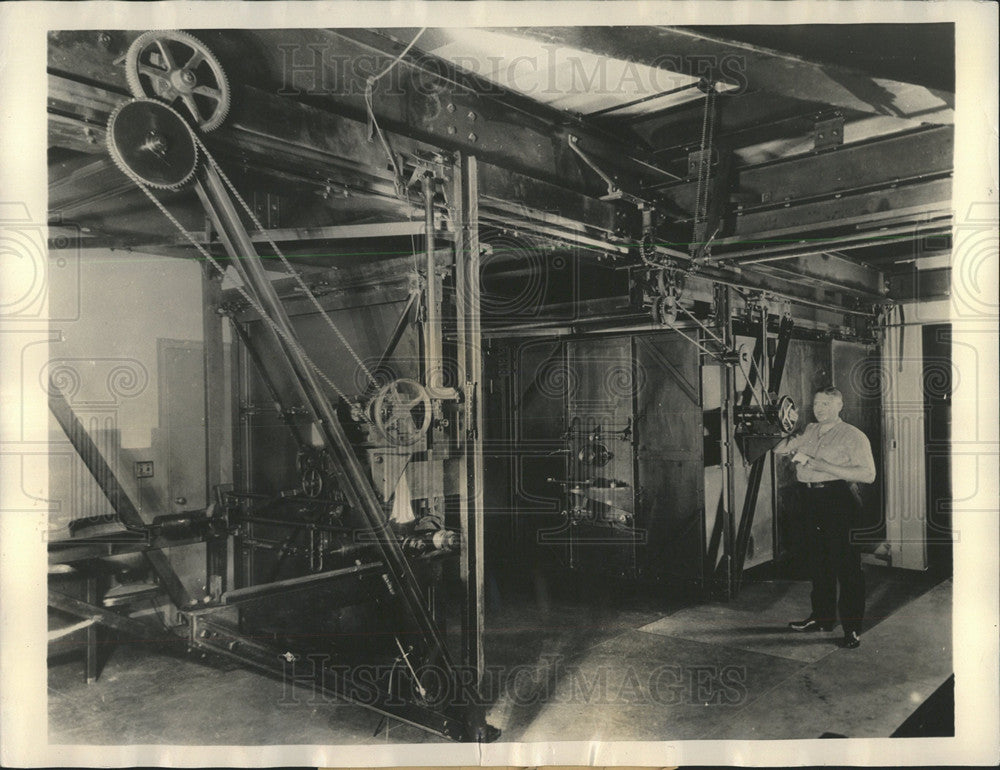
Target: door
point(604, 383)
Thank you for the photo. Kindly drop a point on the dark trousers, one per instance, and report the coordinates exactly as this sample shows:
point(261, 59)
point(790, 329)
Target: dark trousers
point(831, 513)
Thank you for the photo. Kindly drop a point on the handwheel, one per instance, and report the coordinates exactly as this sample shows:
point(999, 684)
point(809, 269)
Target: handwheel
point(788, 415)
point(401, 411)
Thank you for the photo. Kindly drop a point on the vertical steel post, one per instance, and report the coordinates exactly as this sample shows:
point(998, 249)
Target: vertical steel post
point(724, 317)
point(432, 318)
point(217, 548)
point(467, 284)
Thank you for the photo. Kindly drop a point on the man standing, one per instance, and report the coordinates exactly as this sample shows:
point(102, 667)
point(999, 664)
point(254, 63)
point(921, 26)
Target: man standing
point(829, 456)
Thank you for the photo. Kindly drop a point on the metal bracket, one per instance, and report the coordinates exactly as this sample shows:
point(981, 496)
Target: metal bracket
point(615, 193)
point(699, 160)
point(828, 133)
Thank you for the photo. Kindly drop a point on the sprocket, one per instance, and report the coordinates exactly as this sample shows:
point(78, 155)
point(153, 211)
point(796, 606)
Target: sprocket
point(151, 143)
point(177, 67)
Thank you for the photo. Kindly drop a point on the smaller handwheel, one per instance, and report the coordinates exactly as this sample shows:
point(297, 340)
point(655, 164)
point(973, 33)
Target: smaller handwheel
point(312, 482)
point(178, 68)
point(596, 454)
point(788, 415)
point(401, 411)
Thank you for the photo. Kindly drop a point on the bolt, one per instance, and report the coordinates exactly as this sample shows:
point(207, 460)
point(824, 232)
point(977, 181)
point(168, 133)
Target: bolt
point(450, 107)
point(471, 115)
point(452, 130)
point(472, 137)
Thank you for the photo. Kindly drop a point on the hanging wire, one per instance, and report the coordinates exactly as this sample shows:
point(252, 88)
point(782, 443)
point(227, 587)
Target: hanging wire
point(289, 268)
point(700, 219)
point(370, 108)
point(704, 328)
point(250, 299)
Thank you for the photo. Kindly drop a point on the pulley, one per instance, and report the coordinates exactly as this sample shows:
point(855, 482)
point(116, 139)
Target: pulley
point(151, 143)
point(180, 70)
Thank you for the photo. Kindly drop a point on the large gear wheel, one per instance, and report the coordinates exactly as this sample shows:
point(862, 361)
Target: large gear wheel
point(152, 144)
point(178, 68)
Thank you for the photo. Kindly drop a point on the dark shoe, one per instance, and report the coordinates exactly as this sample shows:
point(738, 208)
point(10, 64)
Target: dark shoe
point(851, 641)
point(810, 624)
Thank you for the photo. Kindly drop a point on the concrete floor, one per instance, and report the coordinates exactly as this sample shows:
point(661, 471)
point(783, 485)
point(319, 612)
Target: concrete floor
point(571, 664)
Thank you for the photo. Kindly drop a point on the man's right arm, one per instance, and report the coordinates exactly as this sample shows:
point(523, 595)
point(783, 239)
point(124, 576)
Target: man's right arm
point(788, 445)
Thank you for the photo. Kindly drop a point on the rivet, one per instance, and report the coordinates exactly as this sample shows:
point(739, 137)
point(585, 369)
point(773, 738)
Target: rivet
point(452, 130)
point(450, 107)
point(472, 137)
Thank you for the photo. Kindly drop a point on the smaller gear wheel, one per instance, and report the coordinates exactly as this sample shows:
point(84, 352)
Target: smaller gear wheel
point(152, 144)
point(664, 310)
point(178, 68)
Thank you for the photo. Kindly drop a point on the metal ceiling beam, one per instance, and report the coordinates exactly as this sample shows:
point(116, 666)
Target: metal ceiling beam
point(864, 209)
point(882, 236)
point(428, 99)
point(915, 285)
point(831, 271)
point(751, 67)
point(886, 160)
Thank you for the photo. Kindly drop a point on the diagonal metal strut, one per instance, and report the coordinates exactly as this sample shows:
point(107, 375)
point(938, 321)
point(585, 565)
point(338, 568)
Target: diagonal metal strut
point(108, 482)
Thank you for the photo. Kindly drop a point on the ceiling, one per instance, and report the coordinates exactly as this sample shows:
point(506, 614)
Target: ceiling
point(829, 141)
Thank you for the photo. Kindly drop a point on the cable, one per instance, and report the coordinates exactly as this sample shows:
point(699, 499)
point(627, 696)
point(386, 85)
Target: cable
point(416, 680)
point(760, 379)
point(399, 58)
point(704, 328)
point(251, 300)
point(288, 265)
point(704, 165)
point(753, 391)
point(693, 341)
point(370, 107)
